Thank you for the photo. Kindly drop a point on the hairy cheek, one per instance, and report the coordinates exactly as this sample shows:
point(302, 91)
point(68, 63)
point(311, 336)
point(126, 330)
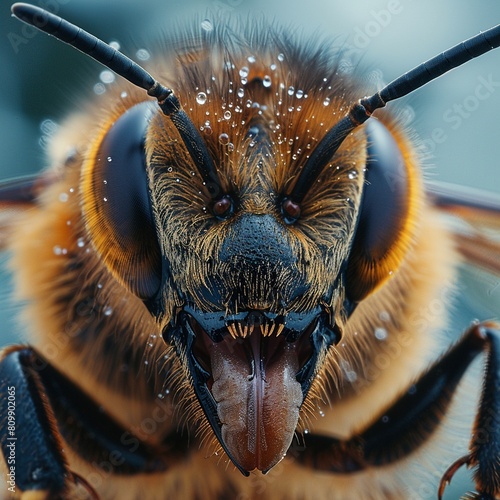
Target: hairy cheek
point(258, 402)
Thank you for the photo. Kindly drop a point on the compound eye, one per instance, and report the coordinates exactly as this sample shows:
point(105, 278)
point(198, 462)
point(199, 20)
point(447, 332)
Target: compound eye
point(117, 204)
point(384, 221)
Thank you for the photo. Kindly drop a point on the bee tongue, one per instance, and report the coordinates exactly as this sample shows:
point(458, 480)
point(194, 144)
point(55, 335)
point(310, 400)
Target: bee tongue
point(258, 396)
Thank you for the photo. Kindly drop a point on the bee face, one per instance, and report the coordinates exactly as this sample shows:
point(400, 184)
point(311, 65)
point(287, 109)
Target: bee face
point(242, 241)
point(231, 276)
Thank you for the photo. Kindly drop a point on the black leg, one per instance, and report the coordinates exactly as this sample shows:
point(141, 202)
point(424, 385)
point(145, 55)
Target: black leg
point(49, 406)
point(411, 420)
point(484, 455)
point(30, 445)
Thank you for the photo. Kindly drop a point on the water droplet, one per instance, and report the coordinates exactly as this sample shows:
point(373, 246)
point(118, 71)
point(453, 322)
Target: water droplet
point(143, 55)
point(291, 90)
point(267, 81)
point(281, 57)
point(353, 174)
point(107, 76)
point(227, 115)
point(107, 310)
point(321, 413)
point(146, 362)
point(230, 147)
point(123, 95)
point(104, 199)
point(299, 94)
point(63, 197)
point(240, 92)
point(273, 66)
point(253, 131)
point(207, 25)
point(201, 98)
point(381, 333)
point(306, 431)
point(80, 242)
point(384, 316)
point(161, 396)
point(48, 127)
point(326, 101)
point(57, 250)
point(115, 45)
point(99, 88)
point(244, 72)
point(251, 59)
point(224, 139)
point(208, 130)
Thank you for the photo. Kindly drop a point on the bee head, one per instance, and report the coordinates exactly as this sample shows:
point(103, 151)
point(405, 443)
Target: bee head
point(205, 218)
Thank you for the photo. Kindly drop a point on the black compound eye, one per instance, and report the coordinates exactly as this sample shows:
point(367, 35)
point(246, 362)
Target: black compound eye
point(224, 207)
point(117, 204)
point(290, 211)
point(382, 234)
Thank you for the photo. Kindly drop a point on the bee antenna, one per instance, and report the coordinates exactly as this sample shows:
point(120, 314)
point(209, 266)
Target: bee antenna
point(135, 74)
point(363, 109)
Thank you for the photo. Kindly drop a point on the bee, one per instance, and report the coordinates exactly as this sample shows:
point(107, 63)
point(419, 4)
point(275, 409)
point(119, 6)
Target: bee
point(217, 254)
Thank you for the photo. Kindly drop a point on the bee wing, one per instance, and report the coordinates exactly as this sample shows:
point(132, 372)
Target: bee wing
point(474, 220)
point(16, 196)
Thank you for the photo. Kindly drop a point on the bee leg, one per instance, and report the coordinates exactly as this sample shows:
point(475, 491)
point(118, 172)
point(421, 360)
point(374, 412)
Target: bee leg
point(484, 449)
point(30, 444)
point(412, 418)
point(50, 408)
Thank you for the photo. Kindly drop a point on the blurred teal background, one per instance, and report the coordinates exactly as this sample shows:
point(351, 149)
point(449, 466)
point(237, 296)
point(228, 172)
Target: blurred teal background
point(43, 79)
